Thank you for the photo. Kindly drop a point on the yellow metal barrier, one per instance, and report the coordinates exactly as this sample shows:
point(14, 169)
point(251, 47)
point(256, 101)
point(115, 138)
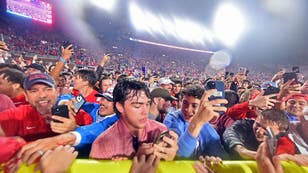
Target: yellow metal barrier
point(86, 166)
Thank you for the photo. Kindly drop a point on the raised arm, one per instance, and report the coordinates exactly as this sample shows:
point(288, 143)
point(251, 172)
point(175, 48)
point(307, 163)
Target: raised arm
point(65, 56)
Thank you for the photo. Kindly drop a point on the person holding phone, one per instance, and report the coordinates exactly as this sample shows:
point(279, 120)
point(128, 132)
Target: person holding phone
point(83, 137)
point(191, 123)
point(243, 138)
point(34, 121)
point(133, 134)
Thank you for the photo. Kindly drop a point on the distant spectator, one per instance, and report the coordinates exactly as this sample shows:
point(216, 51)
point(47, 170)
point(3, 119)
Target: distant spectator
point(34, 68)
point(165, 83)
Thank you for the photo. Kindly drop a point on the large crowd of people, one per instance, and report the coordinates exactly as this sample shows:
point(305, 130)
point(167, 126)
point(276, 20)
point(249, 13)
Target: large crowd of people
point(145, 105)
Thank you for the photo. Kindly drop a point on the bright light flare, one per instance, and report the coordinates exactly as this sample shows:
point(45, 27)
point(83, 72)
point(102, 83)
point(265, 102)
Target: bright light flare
point(107, 5)
point(220, 59)
point(229, 24)
point(179, 28)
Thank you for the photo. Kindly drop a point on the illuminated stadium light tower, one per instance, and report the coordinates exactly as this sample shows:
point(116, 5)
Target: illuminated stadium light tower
point(229, 24)
point(107, 5)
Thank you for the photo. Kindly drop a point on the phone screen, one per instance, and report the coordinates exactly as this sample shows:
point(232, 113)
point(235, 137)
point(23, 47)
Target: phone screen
point(80, 101)
point(2, 37)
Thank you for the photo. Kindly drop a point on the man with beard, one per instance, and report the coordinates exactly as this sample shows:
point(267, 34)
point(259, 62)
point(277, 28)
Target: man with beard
point(161, 103)
point(34, 121)
point(82, 138)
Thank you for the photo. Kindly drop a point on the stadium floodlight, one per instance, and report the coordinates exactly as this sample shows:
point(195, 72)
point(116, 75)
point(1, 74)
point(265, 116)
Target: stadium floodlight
point(107, 5)
point(229, 24)
point(137, 17)
point(179, 28)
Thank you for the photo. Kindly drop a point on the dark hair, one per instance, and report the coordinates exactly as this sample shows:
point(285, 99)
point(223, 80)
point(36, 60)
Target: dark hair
point(232, 98)
point(276, 116)
point(103, 78)
point(13, 75)
point(247, 81)
point(10, 66)
point(127, 88)
point(193, 90)
point(295, 69)
point(67, 74)
point(49, 68)
point(121, 77)
point(177, 81)
point(88, 75)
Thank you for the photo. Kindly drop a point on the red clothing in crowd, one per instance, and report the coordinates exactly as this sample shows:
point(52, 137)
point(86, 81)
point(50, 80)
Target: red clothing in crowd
point(9, 147)
point(285, 146)
point(89, 98)
point(118, 140)
point(241, 111)
point(25, 121)
point(6, 102)
point(20, 100)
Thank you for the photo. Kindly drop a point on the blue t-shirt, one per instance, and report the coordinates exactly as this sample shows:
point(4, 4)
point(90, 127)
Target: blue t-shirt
point(207, 143)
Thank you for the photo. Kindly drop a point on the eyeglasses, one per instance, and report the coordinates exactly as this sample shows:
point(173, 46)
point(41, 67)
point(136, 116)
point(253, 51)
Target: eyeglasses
point(135, 143)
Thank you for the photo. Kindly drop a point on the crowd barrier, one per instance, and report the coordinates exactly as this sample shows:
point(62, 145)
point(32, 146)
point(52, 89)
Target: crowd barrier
point(86, 166)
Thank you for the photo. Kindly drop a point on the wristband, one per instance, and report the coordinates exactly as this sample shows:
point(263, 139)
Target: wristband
point(62, 60)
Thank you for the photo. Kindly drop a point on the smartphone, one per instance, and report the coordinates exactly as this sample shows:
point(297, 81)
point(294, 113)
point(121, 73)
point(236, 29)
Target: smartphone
point(159, 138)
point(272, 141)
point(289, 76)
point(271, 90)
point(60, 110)
point(143, 68)
point(219, 86)
point(80, 101)
point(2, 37)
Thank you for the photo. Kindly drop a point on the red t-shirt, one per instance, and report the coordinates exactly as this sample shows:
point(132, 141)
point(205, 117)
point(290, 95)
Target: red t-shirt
point(25, 121)
point(285, 146)
point(20, 100)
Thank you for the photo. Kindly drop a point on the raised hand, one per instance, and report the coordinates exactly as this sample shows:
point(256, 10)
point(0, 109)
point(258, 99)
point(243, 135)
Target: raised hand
point(67, 52)
point(263, 102)
point(209, 109)
point(104, 59)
